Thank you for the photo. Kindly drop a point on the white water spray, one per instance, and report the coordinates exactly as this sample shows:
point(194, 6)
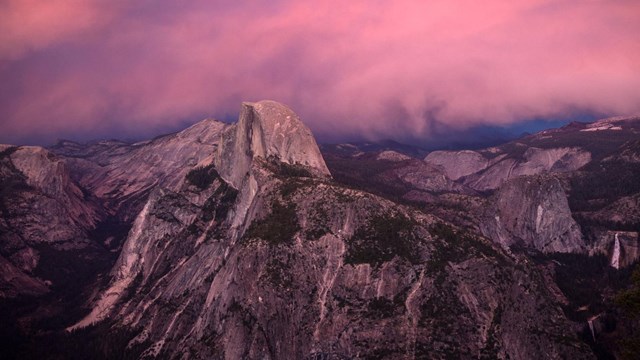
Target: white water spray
point(591, 327)
point(593, 333)
point(615, 259)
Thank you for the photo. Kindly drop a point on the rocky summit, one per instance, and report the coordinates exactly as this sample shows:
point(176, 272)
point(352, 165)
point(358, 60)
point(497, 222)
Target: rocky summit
point(271, 131)
point(245, 241)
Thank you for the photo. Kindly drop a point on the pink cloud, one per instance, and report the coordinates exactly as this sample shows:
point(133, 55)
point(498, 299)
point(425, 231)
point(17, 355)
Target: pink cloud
point(378, 69)
point(30, 25)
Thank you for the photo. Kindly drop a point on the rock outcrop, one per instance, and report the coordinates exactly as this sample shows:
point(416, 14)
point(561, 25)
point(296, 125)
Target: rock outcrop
point(313, 270)
point(122, 175)
point(266, 130)
point(489, 169)
point(391, 155)
point(165, 216)
point(41, 207)
point(323, 272)
point(234, 241)
point(533, 212)
point(424, 177)
point(457, 164)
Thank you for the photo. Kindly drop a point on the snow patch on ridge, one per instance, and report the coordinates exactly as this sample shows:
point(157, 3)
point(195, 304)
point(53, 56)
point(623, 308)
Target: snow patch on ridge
point(603, 127)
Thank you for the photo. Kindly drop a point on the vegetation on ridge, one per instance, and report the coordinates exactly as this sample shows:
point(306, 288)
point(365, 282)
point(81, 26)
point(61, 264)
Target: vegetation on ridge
point(382, 238)
point(278, 227)
point(458, 246)
point(629, 301)
point(285, 170)
point(202, 176)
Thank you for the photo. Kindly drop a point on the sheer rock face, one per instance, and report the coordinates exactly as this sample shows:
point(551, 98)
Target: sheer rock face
point(533, 212)
point(40, 206)
point(267, 129)
point(267, 264)
point(123, 175)
point(352, 276)
point(165, 215)
point(294, 266)
point(48, 176)
point(56, 198)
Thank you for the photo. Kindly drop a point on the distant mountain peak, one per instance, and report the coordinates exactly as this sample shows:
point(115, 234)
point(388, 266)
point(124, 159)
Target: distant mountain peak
point(267, 129)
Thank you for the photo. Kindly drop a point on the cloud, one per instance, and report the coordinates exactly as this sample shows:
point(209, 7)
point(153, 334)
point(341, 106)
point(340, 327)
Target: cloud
point(366, 68)
point(31, 25)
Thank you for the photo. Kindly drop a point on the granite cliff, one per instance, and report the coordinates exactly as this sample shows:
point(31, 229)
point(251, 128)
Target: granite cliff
point(237, 241)
point(273, 259)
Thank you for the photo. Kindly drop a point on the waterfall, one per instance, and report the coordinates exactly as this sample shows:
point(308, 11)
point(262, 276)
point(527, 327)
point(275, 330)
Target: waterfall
point(592, 327)
point(593, 333)
point(615, 259)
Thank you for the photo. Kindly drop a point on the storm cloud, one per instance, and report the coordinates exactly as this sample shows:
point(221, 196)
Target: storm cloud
point(371, 69)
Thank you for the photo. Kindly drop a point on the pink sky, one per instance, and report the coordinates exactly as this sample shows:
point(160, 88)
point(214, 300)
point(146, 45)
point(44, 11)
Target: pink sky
point(376, 69)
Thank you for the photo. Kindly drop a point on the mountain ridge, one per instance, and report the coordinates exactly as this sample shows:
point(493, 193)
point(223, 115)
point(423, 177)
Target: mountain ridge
point(244, 240)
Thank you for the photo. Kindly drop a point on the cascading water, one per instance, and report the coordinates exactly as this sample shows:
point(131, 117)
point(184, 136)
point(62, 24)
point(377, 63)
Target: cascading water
point(591, 326)
point(615, 258)
point(593, 333)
